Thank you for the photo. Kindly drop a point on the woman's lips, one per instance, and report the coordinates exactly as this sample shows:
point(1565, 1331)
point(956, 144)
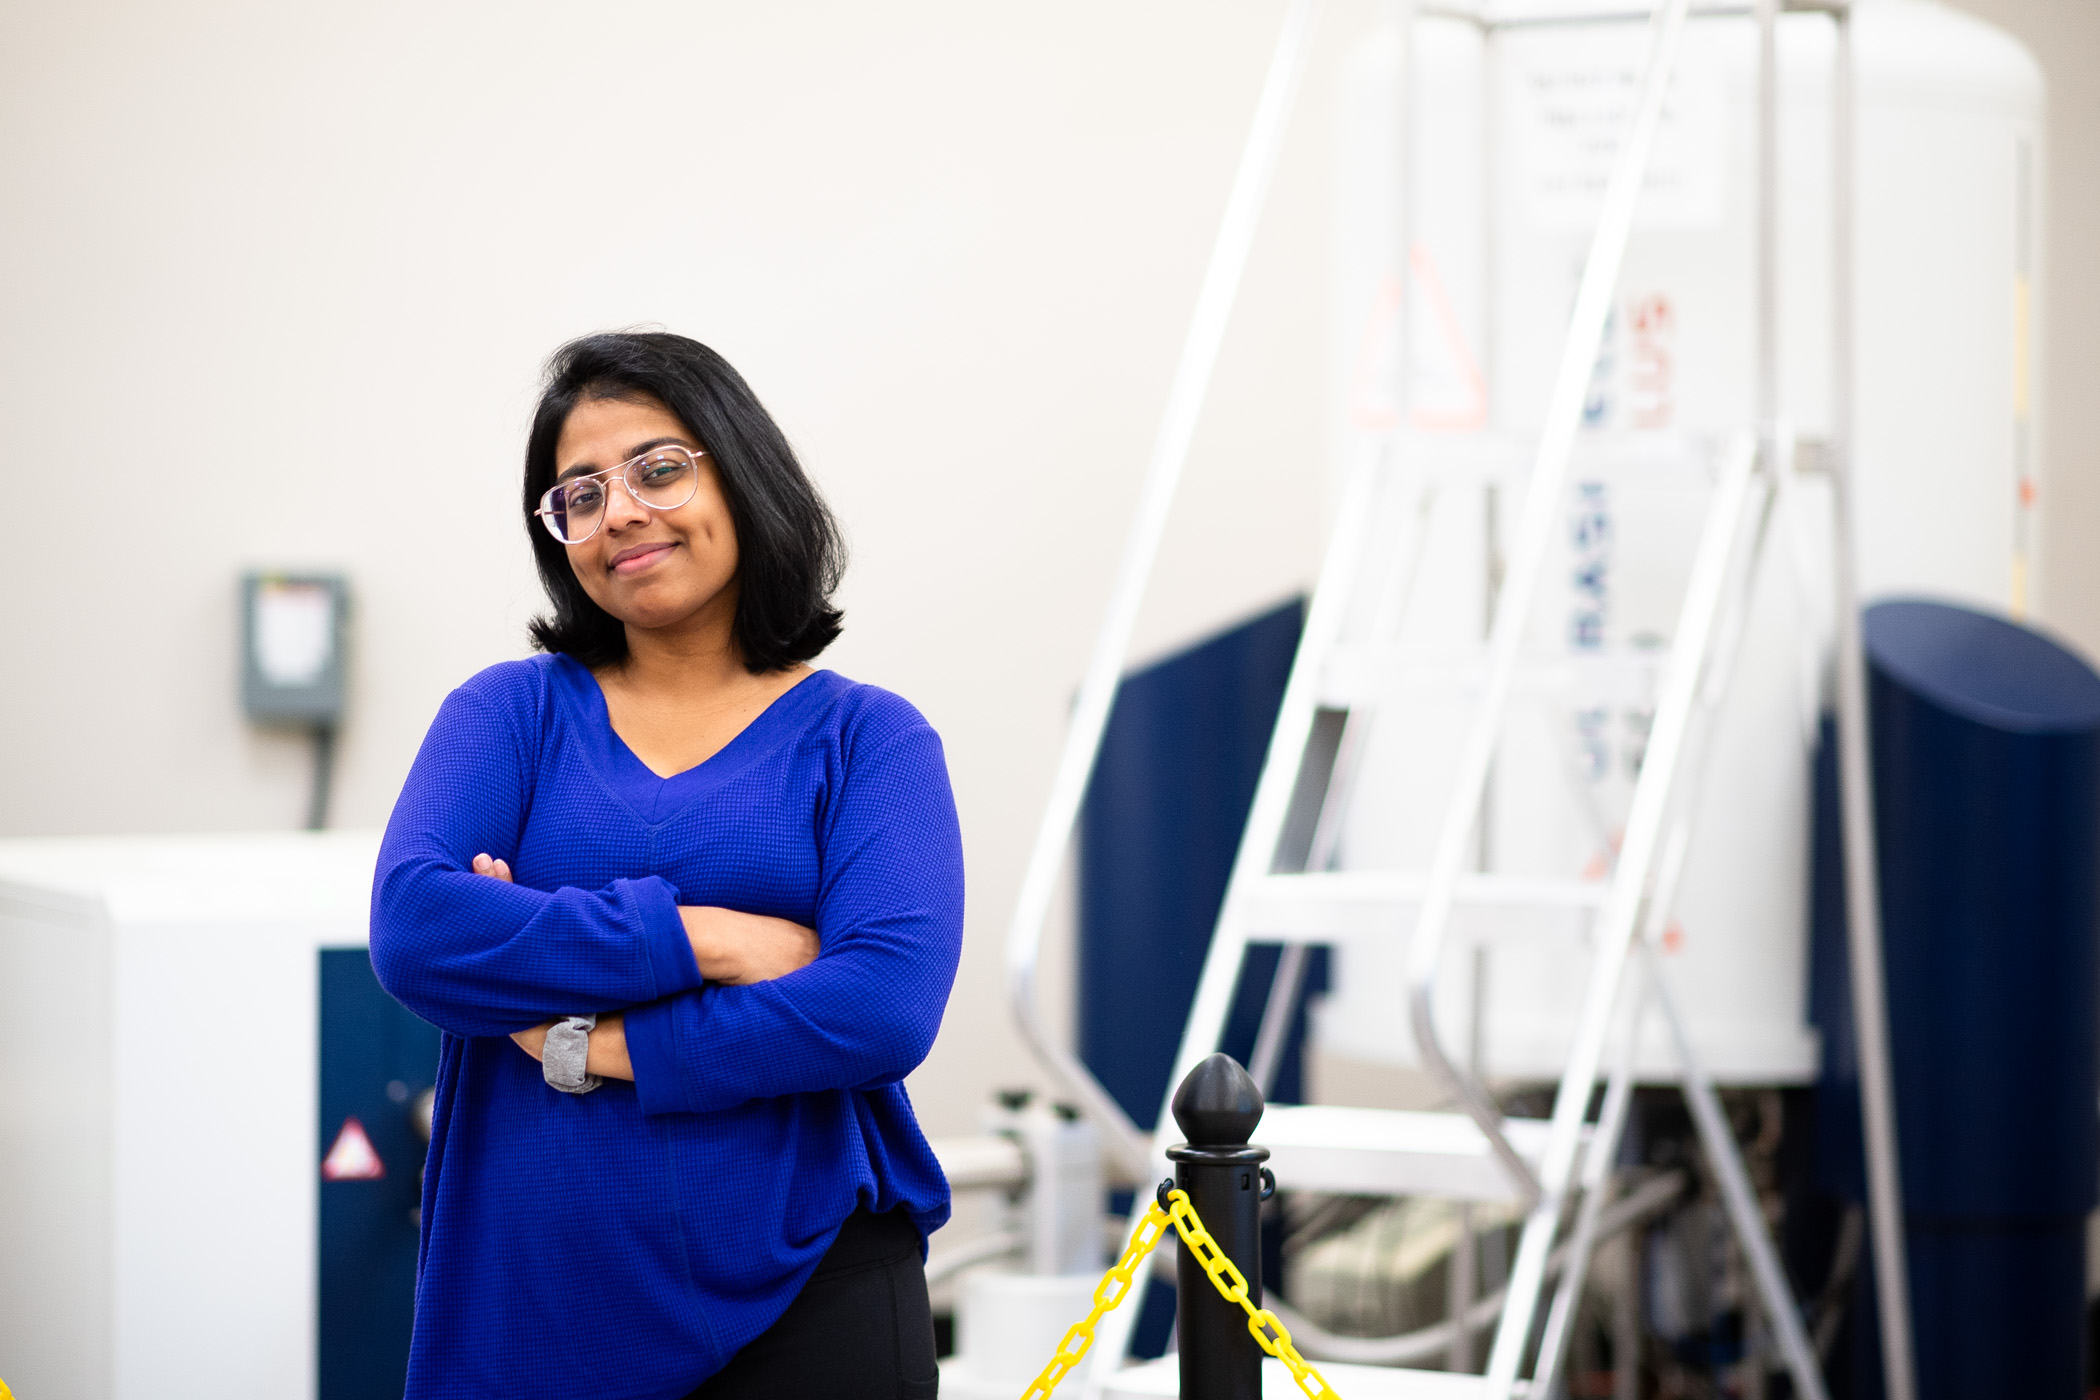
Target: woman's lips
point(633, 561)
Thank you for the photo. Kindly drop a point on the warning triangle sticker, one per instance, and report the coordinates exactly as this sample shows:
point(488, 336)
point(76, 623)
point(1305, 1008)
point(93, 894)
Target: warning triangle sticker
point(1449, 391)
point(1444, 380)
point(352, 1158)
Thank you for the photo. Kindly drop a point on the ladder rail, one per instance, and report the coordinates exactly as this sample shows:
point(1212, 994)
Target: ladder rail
point(1711, 697)
point(1394, 596)
point(1599, 284)
point(1273, 792)
point(1272, 795)
point(1192, 375)
point(1596, 1176)
point(1616, 923)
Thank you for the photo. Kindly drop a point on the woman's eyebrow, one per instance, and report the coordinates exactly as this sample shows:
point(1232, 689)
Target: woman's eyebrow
point(585, 468)
point(653, 443)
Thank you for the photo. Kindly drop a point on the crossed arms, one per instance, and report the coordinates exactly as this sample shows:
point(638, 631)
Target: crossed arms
point(717, 1007)
point(732, 948)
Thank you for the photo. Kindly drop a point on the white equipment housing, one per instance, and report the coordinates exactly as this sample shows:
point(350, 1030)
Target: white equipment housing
point(159, 1185)
point(1466, 279)
point(1008, 1320)
point(1059, 1214)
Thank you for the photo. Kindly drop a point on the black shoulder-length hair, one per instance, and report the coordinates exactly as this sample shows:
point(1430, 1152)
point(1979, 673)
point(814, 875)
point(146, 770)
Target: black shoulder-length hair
point(789, 554)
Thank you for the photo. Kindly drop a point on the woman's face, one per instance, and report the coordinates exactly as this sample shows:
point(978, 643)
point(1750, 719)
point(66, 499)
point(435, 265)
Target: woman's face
point(649, 568)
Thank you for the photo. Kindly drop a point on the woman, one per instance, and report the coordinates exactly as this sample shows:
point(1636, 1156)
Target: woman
point(747, 871)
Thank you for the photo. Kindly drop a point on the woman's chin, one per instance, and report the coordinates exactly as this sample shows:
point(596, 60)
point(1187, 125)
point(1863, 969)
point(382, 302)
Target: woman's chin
point(660, 613)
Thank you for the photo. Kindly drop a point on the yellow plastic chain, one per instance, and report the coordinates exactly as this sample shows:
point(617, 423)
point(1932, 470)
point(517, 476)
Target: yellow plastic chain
point(1113, 1289)
point(1270, 1334)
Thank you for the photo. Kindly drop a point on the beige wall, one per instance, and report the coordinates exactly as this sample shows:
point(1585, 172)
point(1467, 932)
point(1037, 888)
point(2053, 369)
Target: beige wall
point(275, 280)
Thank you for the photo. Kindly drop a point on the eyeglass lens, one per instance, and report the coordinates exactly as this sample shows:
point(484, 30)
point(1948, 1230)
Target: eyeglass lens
point(663, 480)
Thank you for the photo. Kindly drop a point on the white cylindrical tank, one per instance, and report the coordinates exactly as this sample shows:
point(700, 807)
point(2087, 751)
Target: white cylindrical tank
point(1460, 262)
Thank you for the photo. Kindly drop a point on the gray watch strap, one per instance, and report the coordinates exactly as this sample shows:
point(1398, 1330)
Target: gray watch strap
point(563, 1059)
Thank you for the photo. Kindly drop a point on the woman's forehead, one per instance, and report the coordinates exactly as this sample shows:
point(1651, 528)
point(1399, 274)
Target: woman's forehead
point(615, 429)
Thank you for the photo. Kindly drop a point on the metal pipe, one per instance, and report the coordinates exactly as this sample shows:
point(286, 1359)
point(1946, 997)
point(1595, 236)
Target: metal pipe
point(1403, 14)
point(1739, 1199)
point(1593, 300)
point(1856, 791)
point(1596, 1178)
point(1277, 1015)
point(949, 1262)
point(324, 778)
point(980, 1162)
point(1767, 348)
point(1221, 279)
point(1642, 1203)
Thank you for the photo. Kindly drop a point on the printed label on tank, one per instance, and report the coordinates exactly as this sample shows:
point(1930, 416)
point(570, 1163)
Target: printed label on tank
point(352, 1158)
point(1569, 105)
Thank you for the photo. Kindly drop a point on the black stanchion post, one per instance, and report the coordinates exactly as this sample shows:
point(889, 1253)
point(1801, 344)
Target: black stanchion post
point(1217, 1107)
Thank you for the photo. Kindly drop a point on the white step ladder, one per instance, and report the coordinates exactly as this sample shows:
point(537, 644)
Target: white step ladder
point(1282, 888)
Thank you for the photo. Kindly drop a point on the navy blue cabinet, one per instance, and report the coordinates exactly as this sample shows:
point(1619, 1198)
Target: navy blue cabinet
point(377, 1060)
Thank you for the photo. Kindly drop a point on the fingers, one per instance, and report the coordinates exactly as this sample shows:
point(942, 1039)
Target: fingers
point(485, 864)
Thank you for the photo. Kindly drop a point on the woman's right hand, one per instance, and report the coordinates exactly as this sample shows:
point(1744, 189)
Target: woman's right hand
point(739, 949)
point(730, 947)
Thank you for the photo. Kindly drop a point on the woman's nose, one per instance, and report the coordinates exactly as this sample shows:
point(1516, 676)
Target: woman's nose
point(621, 508)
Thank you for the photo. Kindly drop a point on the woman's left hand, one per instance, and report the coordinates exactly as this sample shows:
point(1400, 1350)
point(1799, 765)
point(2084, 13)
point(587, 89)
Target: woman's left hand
point(607, 1057)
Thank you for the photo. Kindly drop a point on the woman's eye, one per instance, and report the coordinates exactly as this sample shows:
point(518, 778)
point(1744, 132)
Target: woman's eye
point(582, 500)
point(662, 473)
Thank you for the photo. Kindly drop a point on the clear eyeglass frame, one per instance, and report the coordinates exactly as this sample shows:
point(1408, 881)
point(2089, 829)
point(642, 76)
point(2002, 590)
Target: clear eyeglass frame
point(554, 511)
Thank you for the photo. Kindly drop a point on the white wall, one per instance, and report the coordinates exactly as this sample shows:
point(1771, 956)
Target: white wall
point(275, 281)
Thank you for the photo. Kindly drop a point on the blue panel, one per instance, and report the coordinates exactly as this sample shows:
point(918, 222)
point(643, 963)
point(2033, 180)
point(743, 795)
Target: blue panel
point(1987, 790)
point(376, 1058)
point(1161, 825)
point(1160, 828)
point(1987, 810)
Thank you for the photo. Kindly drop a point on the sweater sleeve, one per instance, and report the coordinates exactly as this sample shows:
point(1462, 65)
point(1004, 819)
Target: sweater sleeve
point(474, 955)
point(864, 1014)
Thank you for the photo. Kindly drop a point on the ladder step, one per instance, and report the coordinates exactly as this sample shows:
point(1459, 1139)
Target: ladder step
point(1340, 906)
point(1360, 676)
point(1390, 1152)
point(1163, 1377)
point(1509, 457)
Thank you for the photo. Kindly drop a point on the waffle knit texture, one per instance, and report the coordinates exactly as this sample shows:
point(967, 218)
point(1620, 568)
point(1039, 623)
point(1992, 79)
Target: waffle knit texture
point(624, 1244)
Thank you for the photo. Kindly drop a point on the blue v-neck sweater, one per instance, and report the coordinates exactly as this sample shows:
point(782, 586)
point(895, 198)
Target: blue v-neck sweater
point(625, 1243)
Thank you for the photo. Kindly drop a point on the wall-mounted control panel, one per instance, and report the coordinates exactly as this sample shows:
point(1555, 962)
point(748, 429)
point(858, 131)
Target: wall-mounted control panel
point(293, 628)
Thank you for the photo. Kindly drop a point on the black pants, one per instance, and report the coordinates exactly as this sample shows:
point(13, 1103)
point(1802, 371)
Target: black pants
point(860, 1329)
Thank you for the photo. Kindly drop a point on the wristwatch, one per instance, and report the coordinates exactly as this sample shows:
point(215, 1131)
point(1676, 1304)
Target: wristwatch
point(563, 1059)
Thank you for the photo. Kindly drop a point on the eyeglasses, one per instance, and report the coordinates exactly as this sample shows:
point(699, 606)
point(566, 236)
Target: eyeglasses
point(663, 478)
